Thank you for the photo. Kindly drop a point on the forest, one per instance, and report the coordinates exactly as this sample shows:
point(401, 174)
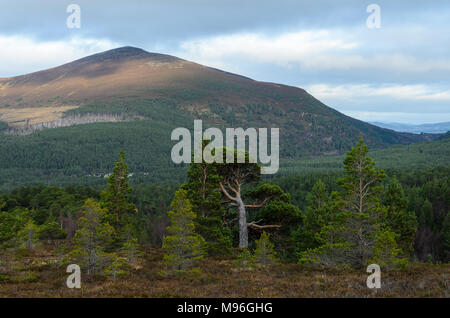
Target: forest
point(79, 154)
point(345, 220)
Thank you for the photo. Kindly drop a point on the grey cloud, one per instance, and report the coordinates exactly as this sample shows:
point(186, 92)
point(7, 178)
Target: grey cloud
point(146, 22)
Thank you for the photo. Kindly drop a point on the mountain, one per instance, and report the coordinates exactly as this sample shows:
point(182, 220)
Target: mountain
point(437, 128)
point(131, 99)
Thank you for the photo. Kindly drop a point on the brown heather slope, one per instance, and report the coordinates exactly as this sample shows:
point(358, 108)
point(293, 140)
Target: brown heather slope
point(110, 74)
point(100, 76)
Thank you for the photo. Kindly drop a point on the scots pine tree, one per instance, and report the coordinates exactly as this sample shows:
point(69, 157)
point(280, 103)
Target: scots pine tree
point(399, 219)
point(93, 236)
point(182, 246)
point(7, 222)
point(116, 199)
point(29, 235)
point(233, 176)
point(357, 227)
point(277, 214)
point(273, 204)
point(265, 253)
point(361, 198)
point(132, 250)
point(316, 216)
point(204, 193)
point(245, 260)
point(117, 266)
point(333, 246)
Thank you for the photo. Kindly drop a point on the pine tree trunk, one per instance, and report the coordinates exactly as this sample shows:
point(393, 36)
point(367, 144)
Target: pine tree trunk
point(243, 230)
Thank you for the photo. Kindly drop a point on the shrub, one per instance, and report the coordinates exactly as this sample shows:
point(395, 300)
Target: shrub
point(264, 253)
point(51, 231)
point(386, 253)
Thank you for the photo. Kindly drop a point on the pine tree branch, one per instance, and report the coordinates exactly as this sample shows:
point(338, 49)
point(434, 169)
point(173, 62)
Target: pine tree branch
point(226, 192)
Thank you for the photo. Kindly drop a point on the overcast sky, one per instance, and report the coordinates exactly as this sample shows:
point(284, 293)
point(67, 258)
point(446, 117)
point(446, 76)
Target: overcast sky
point(399, 72)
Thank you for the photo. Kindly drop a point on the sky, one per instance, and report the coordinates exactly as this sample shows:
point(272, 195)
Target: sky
point(397, 71)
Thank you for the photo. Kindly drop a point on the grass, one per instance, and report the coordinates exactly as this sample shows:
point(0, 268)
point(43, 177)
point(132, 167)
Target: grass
point(38, 275)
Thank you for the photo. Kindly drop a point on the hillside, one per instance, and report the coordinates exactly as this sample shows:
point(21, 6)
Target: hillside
point(130, 99)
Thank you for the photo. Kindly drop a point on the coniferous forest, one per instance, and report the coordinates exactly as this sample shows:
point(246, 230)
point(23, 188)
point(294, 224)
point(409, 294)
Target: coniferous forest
point(340, 221)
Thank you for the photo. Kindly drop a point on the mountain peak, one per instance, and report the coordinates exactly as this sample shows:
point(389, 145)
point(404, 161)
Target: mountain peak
point(92, 66)
point(125, 53)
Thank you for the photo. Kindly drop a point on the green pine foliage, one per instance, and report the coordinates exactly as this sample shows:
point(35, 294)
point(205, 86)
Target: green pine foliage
point(355, 230)
point(245, 260)
point(278, 212)
point(315, 217)
point(51, 231)
point(386, 253)
point(361, 189)
point(182, 246)
point(28, 236)
point(265, 254)
point(204, 194)
point(332, 248)
point(9, 225)
point(116, 199)
point(92, 238)
point(117, 267)
point(132, 251)
point(399, 219)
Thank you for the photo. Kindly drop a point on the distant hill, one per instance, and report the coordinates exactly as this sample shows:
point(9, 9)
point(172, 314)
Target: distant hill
point(129, 99)
point(437, 128)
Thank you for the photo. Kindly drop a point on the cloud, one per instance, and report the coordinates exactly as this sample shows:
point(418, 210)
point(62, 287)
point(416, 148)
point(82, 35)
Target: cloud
point(391, 102)
point(315, 50)
point(146, 22)
point(281, 49)
point(20, 55)
point(399, 92)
